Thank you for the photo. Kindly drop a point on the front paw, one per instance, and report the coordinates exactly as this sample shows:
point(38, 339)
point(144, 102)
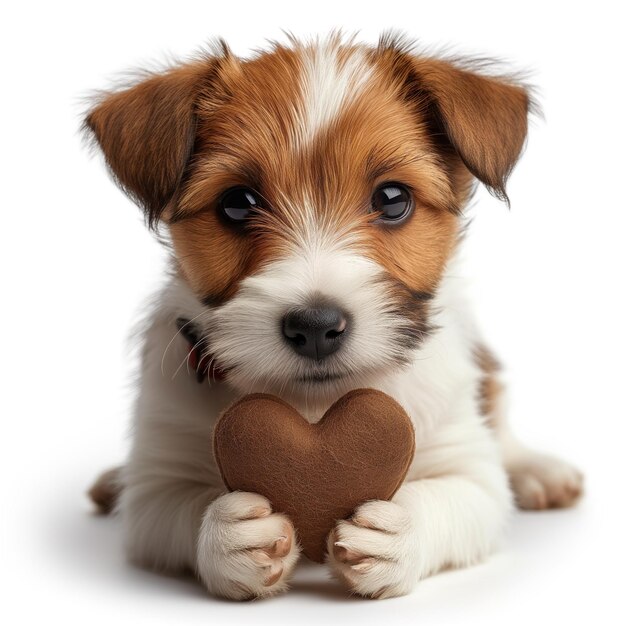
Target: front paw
point(244, 550)
point(374, 551)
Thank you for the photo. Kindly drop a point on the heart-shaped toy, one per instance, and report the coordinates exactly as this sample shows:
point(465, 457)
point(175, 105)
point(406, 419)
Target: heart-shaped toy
point(319, 473)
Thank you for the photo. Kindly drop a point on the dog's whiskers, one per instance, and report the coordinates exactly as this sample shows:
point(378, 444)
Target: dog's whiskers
point(186, 359)
point(174, 338)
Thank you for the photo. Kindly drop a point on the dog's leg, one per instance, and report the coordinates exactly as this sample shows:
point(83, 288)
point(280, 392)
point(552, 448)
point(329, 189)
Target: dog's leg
point(238, 547)
point(174, 507)
point(539, 481)
point(453, 516)
point(243, 549)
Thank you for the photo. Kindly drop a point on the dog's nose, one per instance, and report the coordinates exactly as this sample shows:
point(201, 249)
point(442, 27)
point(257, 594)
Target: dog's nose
point(315, 332)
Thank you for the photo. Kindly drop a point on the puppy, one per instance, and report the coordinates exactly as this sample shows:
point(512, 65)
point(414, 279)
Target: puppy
point(313, 197)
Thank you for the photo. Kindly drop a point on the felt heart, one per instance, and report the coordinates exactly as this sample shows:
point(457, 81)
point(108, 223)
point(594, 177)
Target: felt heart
point(319, 473)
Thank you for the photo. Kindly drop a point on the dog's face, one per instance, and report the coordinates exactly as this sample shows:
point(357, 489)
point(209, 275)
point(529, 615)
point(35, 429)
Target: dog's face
point(312, 196)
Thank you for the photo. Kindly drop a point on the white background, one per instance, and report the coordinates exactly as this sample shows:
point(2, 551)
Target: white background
point(77, 265)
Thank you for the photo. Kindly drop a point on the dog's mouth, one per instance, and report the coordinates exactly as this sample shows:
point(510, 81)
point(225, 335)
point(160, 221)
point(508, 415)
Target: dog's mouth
point(320, 377)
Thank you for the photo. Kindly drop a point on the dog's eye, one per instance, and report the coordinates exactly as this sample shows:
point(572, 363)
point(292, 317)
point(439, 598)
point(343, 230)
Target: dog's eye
point(393, 201)
point(238, 203)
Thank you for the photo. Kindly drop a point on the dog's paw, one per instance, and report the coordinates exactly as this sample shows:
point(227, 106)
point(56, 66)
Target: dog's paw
point(244, 550)
point(373, 552)
point(543, 482)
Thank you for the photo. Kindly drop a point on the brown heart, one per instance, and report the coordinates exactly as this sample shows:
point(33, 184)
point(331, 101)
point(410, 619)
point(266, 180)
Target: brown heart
point(360, 450)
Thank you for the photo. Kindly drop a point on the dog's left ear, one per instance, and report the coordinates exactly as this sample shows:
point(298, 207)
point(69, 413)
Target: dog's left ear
point(484, 119)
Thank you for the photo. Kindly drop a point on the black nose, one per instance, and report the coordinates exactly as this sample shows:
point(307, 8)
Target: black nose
point(315, 332)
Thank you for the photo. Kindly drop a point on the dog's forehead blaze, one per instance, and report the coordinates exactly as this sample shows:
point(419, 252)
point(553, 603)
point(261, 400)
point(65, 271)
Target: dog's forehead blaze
point(315, 139)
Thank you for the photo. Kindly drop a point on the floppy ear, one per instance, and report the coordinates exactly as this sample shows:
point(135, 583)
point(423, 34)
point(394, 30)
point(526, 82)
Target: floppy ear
point(484, 119)
point(147, 133)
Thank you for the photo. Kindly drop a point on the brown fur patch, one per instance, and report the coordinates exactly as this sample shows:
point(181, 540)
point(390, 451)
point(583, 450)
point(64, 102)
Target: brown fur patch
point(257, 96)
point(490, 387)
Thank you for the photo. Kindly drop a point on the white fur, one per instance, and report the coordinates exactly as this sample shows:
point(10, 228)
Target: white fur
point(328, 85)
point(245, 333)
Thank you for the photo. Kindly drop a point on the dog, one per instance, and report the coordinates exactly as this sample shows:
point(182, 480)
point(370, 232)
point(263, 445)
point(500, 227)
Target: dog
point(312, 197)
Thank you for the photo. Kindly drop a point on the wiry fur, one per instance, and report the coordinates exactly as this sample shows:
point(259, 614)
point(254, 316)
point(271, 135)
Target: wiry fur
point(320, 126)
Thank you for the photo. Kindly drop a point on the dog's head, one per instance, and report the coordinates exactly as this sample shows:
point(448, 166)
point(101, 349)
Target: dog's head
point(312, 196)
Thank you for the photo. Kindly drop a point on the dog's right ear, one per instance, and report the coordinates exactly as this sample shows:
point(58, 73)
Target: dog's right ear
point(147, 132)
